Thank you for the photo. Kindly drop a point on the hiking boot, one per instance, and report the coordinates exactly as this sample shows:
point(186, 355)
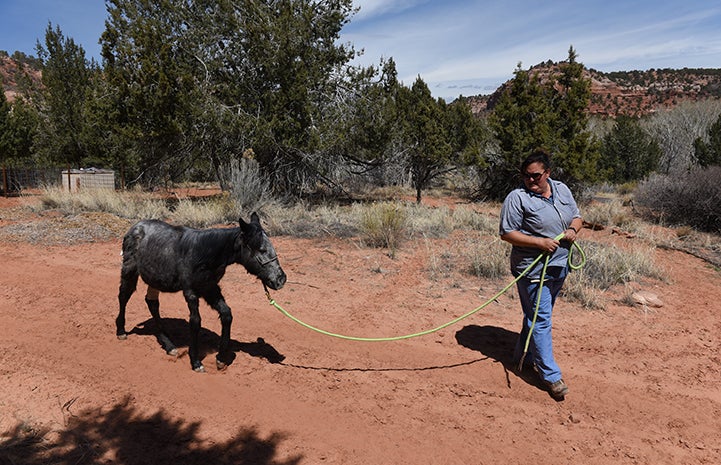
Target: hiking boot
point(558, 390)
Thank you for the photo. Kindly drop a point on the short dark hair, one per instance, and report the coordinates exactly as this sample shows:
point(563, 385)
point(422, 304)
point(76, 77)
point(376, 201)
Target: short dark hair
point(538, 155)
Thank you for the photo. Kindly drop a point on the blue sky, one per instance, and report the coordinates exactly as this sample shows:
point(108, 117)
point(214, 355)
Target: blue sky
point(462, 47)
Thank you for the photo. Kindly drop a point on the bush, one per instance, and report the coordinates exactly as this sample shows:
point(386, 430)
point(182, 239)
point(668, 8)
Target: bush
point(249, 189)
point(609, 212)
point(607, 266)
point(383, 225)
point(692, 198)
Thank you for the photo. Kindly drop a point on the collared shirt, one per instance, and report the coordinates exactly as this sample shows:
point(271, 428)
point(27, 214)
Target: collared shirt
point(534, 215)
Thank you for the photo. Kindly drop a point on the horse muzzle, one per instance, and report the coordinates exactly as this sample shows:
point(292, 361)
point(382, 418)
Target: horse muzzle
point(276, 282)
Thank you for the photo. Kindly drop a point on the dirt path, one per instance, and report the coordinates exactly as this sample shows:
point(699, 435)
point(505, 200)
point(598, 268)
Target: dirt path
point(644, 383)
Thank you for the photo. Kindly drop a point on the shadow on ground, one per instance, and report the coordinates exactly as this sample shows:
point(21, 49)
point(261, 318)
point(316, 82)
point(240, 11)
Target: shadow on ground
point(124, 435)
point(497, 344)
point(178, 331)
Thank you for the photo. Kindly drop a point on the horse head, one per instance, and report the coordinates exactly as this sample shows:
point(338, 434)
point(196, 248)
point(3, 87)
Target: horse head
point(257, 254)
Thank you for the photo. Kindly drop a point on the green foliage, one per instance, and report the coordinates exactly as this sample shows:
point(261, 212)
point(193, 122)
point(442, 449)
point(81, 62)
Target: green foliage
point(280, 65)
point(383, 225)
point(628, 152)
point(62, 137)
point(521, 121)
point(151, 92)
point(550, 114)
point(367, 127)
point(5, 128)
point(195, 85)
point(709, 153)
point(575, 152)
point(424, 134)
point(21, 130)
point(437, 137)
point(186, 88)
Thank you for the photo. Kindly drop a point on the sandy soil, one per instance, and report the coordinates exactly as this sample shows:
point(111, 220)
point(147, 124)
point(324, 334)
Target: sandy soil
point(644, 382)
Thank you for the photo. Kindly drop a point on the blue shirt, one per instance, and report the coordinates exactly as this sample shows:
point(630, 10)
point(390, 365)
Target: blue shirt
point(534, 215)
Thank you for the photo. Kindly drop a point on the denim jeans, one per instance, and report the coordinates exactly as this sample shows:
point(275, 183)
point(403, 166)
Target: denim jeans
point(540, 348)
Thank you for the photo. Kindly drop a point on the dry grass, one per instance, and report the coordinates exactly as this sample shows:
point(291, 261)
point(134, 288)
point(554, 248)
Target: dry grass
point(471, 243)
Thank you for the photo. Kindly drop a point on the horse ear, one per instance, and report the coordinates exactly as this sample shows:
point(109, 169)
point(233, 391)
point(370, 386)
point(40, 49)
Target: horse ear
point(254, 218)
point(243, 224)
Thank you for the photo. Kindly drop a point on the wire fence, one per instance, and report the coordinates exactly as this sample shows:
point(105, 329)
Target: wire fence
point(15, 180)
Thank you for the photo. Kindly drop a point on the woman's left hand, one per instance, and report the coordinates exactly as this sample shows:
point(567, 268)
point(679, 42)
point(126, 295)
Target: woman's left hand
point(570, 235)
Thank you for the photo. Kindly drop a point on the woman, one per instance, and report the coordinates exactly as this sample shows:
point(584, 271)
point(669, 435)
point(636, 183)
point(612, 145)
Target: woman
point(531, 217)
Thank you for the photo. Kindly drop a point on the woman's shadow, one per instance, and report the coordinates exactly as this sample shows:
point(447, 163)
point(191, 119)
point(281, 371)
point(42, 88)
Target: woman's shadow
point(497, 344)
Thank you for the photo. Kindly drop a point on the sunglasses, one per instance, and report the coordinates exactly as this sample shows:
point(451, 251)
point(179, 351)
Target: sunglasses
point(533, 176)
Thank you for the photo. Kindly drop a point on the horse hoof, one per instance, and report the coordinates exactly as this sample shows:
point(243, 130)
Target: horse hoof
point(123, 336)
point(220, 365)
point(172, 352)
point(200, 369)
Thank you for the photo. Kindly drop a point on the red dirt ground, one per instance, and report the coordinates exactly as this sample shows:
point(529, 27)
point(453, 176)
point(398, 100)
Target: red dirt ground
point(644, 383)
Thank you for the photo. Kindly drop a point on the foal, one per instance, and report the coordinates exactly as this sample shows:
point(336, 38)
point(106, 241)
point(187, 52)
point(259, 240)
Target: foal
point(176, 258)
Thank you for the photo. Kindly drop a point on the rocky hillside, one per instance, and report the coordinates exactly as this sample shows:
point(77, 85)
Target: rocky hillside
point(630, 92)
point(627, 92)
point(16, 70)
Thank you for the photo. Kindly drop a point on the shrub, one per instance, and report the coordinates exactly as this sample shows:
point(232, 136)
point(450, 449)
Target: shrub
point(383, 225)
point(606, 266)
point(248, 188)
point(610, 212)
point(692, 198)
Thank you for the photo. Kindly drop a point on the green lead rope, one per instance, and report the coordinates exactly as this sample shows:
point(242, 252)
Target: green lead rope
point(445, 325)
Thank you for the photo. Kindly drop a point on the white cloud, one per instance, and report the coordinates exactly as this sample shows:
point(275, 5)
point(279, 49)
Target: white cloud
point(459, 44)
point(374, 8)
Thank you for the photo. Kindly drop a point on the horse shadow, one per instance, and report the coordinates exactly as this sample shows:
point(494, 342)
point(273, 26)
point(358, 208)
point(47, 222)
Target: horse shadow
point(178, 330)
point(497, 344)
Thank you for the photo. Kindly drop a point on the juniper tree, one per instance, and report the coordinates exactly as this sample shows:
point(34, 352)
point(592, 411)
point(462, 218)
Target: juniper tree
point(628, 153)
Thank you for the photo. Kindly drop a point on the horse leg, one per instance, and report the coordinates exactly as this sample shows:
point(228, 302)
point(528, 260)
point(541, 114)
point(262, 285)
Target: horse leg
point(153, 303)
point(225, 356)
point(194, 323)
point(128, 283)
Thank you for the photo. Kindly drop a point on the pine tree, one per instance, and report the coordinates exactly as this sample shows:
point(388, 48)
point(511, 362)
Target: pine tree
point(628, 152)
point(151, 91)
point(425, 135)
point(62, 136)
point(521, 121)
point(575, 153)
point(709, 153)
point(551, 114)
point(200, 82)
point(5, 130)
